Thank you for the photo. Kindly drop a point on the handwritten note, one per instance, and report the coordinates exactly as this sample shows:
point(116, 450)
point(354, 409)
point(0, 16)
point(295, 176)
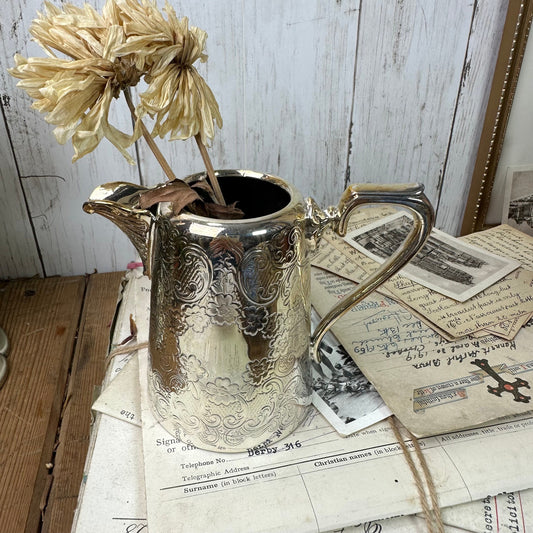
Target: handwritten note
point(402, 356)
point(334, 260)
point(506, 241)
point(506, 300)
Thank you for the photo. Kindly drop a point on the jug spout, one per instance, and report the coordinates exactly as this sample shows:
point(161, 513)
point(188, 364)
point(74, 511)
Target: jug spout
point(119, 202)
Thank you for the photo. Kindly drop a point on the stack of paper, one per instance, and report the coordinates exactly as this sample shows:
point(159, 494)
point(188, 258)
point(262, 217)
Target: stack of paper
point(142, 478)
point(434, 386)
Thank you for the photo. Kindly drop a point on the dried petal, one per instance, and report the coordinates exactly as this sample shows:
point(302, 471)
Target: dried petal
point(229, 212)
point(178, 98)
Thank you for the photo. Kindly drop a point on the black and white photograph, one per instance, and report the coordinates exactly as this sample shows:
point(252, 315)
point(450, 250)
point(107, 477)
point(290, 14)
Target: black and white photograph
point(444, 264)
point(518, 199)
point(341, 392)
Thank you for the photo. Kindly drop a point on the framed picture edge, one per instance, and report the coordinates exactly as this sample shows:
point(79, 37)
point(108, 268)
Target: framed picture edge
point(510, 55)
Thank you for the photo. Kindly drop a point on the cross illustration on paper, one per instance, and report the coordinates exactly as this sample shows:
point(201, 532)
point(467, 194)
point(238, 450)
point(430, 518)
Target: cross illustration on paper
point(503, 386)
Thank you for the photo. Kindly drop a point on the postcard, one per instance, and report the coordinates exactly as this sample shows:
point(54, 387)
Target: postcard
point(444, 264)
point(518, 198)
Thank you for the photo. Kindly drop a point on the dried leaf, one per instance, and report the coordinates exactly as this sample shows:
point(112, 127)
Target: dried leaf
point(181, 195)
point(229, 212)
point(212, 210)
point(133, 332)
point(204, 186)
point(177, 192)
point(133, 326)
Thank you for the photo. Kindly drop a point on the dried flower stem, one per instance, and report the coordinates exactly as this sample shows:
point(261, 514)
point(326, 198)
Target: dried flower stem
point(210, 170)
point(148, 138)
point(163, 162)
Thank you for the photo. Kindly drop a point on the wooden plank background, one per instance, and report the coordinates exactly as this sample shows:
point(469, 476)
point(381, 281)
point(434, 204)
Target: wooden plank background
point(40, 317)
point(322, 93)
point(87, 372)
point(59, 330)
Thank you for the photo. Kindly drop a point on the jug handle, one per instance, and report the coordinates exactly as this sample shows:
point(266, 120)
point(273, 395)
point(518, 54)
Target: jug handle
point(410, 196)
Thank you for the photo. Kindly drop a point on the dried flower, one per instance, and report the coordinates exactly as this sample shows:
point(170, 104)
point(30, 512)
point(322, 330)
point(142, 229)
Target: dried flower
point(106, 55)
point(77, 93)
point(177, 96)
point(111, 52)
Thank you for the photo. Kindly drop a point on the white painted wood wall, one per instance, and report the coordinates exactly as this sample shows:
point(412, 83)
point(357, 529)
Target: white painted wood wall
point(320, 92)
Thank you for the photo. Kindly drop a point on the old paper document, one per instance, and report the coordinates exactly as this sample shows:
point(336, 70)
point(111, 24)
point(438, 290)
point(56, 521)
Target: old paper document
point(431, 385)
point(511, 512)
point(509, 242)
point(343, 477)
point(122, 397)
point(506, 513)
point(506, 300)
point(112, 496)
point(330, 481)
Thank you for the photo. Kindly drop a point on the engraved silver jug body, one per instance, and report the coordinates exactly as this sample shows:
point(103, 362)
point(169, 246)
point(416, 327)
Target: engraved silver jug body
point(230, 338)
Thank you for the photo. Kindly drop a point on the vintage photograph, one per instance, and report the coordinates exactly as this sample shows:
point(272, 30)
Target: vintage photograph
point(444, 264)
point(518, 200)
point(341, 392)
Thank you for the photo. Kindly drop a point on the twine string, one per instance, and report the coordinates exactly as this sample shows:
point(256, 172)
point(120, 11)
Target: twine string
point(431, 512)
point(429, 482)
point(125, 349)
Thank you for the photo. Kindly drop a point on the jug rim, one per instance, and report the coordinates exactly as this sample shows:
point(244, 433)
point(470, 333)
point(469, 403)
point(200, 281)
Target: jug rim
point(294, 199)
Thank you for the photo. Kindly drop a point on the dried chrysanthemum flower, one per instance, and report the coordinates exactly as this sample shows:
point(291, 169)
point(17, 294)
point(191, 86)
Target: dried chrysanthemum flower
point(77, 93)
point(177, 97)
point(109, 53)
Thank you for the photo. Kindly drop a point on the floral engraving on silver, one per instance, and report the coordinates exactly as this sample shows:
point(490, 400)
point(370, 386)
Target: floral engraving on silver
point(230, 304)
point(229, 356)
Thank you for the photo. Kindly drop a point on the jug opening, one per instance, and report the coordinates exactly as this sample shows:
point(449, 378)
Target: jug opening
point(256, 197)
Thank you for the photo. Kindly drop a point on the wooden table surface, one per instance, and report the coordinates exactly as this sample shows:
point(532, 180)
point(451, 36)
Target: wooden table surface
point(59, 331)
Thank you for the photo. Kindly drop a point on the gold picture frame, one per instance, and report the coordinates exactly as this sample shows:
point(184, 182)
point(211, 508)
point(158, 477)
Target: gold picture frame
point(513, 44)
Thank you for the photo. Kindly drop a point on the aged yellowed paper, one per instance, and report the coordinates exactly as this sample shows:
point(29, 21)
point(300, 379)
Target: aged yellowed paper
point(432, 386)
point(505, 300)
point(322, 472)
point(368, 472)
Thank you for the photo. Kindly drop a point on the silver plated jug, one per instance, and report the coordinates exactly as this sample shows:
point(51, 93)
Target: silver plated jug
point(230, 344)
